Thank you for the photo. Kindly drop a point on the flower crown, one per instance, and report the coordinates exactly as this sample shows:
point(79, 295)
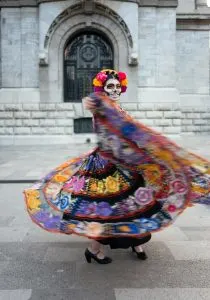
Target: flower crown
point(104, 75)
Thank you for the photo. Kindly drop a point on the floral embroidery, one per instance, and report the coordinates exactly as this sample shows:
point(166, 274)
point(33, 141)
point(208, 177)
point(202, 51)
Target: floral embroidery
point(77, 183)
point(72, 226)
point(101, 187)
point(153, 174)
point(63, 201)
point(112, 184)
point(172, 208)
point(52, 190)
point(33, 203)
point(32, 193)
point(33, 199)
point(178, 186)
point(149, 224)
point(103, 209)
point(60, 178)
point(93, 187)
point(49, 222)
point(128, 129)
point(94, 229)
point(143, 196)
point(108, 191)
point(124, 228)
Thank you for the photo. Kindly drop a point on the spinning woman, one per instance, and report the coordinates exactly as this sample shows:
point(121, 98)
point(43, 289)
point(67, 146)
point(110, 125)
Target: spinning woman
point(134, 183)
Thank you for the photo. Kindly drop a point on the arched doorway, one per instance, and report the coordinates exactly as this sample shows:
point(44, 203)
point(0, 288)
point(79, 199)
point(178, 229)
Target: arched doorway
point(84, 55)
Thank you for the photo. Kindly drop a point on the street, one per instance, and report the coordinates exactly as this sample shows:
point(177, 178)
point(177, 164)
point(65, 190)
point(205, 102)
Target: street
point(35, 264)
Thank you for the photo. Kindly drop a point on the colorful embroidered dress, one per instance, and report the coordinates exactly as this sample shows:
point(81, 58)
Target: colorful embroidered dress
point(135, 182)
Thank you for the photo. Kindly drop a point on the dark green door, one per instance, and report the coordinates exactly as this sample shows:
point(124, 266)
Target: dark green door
point(84, 56)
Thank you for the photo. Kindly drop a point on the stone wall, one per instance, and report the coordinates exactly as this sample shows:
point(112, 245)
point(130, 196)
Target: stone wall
point(193, 67)
point(57, 119)
point(19, 33)
point(157, 52)
point(36, 119)
point(192, 62)
point(54, 122)
point(196, 120)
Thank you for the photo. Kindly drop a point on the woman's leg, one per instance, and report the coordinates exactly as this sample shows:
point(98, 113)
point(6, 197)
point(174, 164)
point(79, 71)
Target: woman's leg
point(138, 242)
point(97, 249)
point(137, 248)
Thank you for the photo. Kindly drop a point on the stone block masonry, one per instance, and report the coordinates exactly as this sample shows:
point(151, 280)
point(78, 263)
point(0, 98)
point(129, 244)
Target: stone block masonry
point(196, 120)
point(36, 119)
point(57, 119)
point(163, 117)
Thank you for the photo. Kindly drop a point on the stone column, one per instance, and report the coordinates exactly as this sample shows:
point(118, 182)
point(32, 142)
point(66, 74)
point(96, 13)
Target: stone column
point(29, 45)
point(0, 55)
point(157, 69)
point(11, 47)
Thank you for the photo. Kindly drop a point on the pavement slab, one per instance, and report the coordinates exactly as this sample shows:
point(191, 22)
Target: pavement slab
point(163, 294)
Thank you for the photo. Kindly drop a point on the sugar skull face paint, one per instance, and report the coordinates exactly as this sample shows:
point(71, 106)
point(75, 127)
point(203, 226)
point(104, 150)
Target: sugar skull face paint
point(113, 89)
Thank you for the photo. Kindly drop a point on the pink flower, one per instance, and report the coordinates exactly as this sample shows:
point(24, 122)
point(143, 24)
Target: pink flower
point(79, 184)
point(121, 76)
point(178, 186)
point(101, 77)
point(70, 183)
point(76, 183)
point(143, 196)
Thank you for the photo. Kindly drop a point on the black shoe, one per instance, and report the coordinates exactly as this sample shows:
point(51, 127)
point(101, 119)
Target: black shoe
point(89, 255)
point(140, 255)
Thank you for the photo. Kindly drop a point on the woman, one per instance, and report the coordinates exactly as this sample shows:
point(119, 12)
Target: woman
point(113, 84)
point(136, 182)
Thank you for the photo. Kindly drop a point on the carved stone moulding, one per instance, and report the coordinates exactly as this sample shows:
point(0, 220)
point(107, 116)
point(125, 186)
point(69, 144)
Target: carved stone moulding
point(87, 8)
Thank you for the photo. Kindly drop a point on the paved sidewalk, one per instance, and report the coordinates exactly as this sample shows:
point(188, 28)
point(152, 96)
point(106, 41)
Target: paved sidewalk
point(38, 265)
point(32, 162)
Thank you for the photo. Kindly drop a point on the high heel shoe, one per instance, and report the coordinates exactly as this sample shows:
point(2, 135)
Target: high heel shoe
point(141, 255)
point(89, 255)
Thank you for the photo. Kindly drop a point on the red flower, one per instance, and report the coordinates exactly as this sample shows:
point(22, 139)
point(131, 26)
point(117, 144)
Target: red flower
point(121, 76)
point(171, 208)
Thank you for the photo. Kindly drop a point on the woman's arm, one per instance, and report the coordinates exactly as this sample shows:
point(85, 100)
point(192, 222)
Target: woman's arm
point(89, 104)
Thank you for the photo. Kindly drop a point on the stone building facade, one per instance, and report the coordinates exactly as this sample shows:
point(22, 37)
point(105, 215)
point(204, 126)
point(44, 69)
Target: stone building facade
point(50, 50)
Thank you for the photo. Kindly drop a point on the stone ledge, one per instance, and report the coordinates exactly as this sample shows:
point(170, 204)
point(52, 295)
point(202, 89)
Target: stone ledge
point(10, 139)
point(158, 3)
point(18, 3)
point(194, 23)
point(193, 16)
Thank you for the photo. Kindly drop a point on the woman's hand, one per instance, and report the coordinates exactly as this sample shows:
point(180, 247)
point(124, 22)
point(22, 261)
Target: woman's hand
point(89, 104)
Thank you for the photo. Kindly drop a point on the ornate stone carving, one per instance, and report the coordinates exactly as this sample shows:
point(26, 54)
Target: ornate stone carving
point(89, 7)
point(43, 58)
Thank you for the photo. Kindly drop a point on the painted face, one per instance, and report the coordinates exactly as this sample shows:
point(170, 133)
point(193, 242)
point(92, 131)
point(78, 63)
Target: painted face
point(113, 89)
